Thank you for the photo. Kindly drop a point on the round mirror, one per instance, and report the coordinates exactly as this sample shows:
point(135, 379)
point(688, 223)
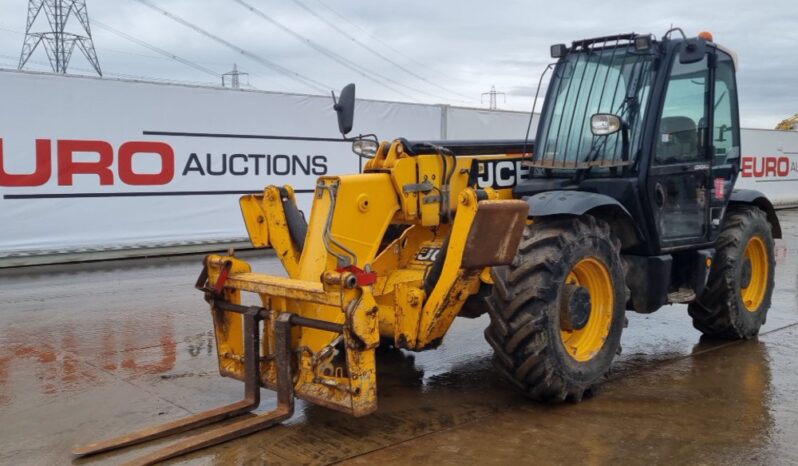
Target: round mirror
point(604, 124)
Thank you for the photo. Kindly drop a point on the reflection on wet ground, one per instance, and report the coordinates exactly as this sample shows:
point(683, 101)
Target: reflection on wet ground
point(100, 349)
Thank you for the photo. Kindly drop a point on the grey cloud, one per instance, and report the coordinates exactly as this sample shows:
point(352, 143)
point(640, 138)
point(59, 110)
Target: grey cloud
point(462, 45)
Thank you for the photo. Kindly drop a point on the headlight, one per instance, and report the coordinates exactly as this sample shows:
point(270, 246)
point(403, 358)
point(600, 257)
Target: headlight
point(365, 148)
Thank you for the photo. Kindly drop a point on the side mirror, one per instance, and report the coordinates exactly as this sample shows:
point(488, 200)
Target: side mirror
point(366, 148)
point(604, 124)
point(345, 108)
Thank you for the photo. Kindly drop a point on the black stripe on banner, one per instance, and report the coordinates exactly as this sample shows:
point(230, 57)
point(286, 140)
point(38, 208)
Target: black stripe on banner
point(242, 136)
point(137, 194)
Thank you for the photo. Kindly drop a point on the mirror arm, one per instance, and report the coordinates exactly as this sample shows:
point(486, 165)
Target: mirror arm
point(625, 141)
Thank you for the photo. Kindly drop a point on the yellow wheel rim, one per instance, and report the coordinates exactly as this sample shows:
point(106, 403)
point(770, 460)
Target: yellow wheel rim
point(583, 344)
point(754, 293)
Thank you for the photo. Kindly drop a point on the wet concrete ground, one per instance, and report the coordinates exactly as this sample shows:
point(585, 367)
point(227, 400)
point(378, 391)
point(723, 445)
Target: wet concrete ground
point(97, 350)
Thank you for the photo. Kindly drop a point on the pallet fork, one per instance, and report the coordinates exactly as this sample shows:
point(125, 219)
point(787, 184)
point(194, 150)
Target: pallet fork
point(252, 317)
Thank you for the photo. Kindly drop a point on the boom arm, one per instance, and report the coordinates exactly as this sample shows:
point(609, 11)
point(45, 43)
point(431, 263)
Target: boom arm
point(372, 291)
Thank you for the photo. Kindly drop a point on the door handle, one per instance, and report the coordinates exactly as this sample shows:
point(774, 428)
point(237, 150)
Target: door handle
point(659, 195)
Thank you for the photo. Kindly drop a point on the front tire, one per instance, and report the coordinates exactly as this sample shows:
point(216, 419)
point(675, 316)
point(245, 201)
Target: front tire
point(544, 342)
point(737, 297)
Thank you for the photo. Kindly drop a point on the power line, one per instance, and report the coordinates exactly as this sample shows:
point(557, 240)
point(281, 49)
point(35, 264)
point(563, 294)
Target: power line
point(166, 56)
point(137, 77)
point(366, 73)
point(373, 51)
point(371, 36)
point(133, 54)
point(11, 30)
point(309, 82)
point(105, 49)
point(156, 49)
point(327, 52)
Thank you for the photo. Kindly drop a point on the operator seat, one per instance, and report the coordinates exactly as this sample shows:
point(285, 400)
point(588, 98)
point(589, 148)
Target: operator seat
point(678, 140)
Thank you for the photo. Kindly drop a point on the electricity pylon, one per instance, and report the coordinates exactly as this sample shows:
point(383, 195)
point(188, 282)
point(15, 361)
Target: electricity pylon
point(57, 43)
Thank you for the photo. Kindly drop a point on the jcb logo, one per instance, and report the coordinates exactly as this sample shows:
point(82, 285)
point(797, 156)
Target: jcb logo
point(428, 254)
point(499, 174)
point(67, 166)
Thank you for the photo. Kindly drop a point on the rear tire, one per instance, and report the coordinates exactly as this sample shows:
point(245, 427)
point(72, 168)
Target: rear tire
point(531, 348)
point(737, 297)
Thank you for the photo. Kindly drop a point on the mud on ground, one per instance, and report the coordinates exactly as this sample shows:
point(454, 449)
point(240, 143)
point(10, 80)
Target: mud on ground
point(96, 350)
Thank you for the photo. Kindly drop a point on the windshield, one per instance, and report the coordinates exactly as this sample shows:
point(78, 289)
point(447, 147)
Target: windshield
point(613, 80)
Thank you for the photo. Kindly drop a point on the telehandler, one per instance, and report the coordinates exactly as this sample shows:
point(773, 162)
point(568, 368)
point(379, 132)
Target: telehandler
point(625, 200)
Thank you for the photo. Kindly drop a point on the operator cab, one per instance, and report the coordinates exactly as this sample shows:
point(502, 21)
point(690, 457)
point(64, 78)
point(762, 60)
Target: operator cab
point(653, 124)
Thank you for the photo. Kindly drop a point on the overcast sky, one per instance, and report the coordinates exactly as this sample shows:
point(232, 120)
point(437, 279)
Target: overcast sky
point(455, 49)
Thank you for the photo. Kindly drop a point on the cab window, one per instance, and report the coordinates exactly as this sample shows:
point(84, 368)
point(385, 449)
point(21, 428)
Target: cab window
point(681, 134)
point(724, 138)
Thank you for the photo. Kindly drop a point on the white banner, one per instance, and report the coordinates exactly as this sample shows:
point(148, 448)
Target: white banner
point(108, 164)
point(469, 123)
point(770, 164)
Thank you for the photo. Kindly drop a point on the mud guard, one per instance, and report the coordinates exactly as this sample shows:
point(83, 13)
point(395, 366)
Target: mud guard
point(756, 198)
point(568, 202)
point(563, 202)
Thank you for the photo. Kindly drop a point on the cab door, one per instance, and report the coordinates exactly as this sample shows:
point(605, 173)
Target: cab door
point(725, 139)
point(679, 173)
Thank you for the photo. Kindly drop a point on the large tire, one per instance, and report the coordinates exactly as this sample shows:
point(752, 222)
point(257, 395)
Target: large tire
point(736, 300)
point(525, 308)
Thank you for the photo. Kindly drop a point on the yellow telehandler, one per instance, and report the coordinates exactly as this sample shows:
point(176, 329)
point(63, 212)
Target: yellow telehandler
point(624, 201)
